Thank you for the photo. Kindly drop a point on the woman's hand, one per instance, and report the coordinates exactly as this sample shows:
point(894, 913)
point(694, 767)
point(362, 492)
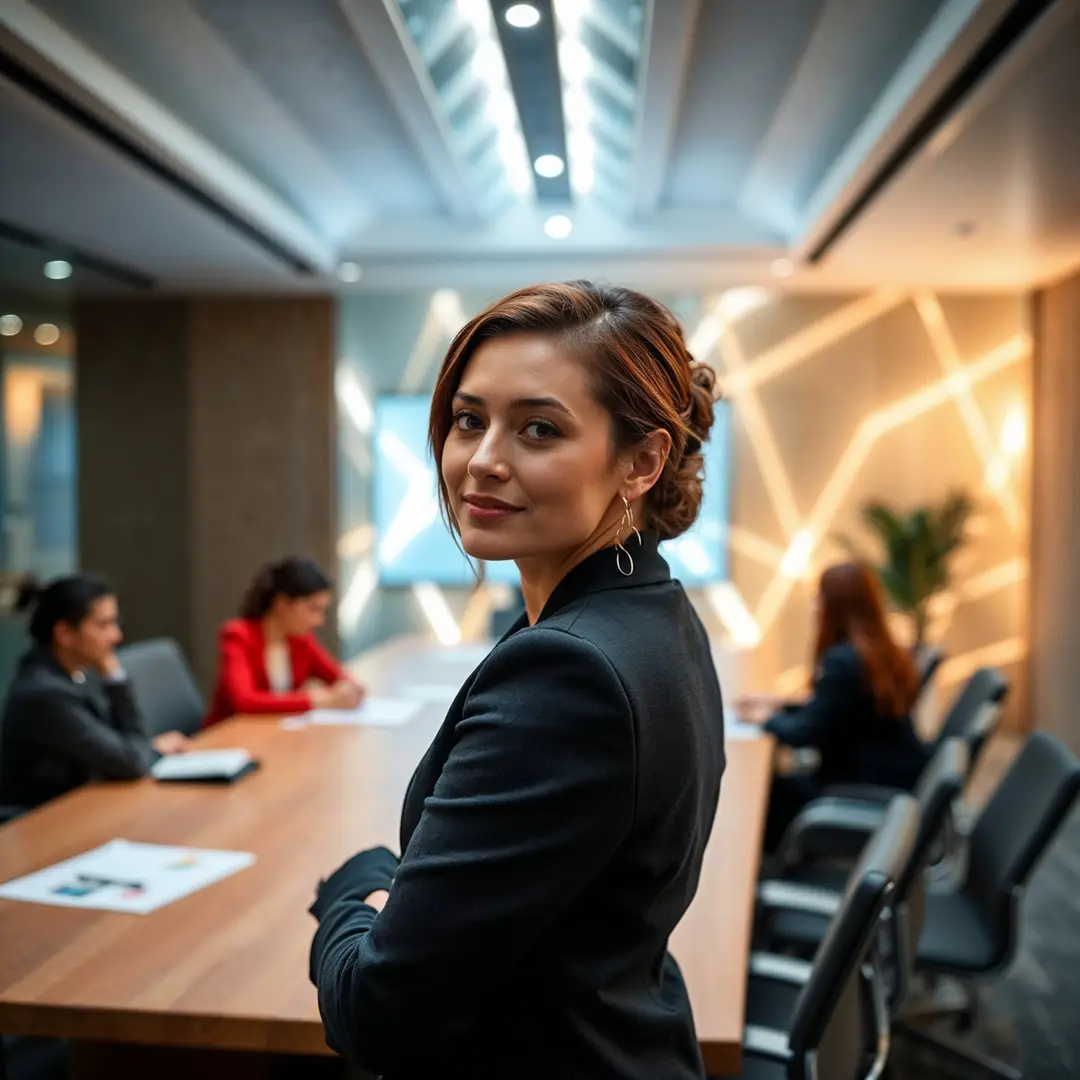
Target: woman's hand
point(363, 876)
point(756, 708)
point(172, 742)
point(344, 694)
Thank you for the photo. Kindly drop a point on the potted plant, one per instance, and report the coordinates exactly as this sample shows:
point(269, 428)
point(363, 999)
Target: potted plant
point(918, 546)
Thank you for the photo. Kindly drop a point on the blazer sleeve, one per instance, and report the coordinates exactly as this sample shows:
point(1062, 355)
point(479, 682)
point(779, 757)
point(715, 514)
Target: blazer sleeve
point(238, 680)
point(836, 690)
point(323, 666)
point(118, 749)
point(535, 797)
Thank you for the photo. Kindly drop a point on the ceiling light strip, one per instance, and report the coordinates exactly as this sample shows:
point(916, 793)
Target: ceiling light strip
point(576, 65)
point(488, 65)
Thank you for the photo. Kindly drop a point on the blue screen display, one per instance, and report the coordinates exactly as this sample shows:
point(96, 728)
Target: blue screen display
point(414, 544)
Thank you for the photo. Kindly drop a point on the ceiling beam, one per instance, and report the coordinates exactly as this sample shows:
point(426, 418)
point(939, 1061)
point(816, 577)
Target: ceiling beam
point(381, 32)
point(953, 37)
point(141, 127)
point(668, 44)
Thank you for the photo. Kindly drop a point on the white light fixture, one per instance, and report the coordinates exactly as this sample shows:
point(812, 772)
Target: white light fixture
point(549, 166)
point(349, 272)
point(522, 16)
point(487, 63)
point(501, 110)
point(10, 325)
point(351, 397)
point(558, 226)
point(47, 334)
point(575, 61)
point(782, 267)
point(433, 603)
point(57, 269)
point(570, 13)
point(475, 12)
point(1014, 431)
point(796, 560)
point(356, 597)
point(724, 598)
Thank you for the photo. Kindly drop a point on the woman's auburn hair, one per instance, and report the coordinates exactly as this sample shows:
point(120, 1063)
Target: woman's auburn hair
point(638, 368)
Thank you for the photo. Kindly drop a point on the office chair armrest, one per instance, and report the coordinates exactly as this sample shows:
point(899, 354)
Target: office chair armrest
point(785, 969)
point(766, 1043)
point(803, 899)
point(830, 828)
point(878, 794)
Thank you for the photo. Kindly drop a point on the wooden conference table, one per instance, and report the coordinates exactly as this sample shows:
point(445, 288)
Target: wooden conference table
point(226, 968)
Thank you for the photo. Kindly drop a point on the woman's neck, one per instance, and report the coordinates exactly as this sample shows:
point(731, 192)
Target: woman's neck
point(273, 631)
point(541, 576)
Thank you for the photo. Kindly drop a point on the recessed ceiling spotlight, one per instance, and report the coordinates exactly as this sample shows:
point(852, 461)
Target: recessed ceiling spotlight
point(10, 325)
point(782, 267)
point(549, 165)
point(964, 229)
point(349, 272)
point(558, 226)
point(57, 269)
point(47, 334)
point(522, 16)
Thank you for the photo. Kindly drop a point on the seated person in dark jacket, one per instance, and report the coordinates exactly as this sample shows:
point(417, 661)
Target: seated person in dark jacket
point(858, 715)
point(71, 716)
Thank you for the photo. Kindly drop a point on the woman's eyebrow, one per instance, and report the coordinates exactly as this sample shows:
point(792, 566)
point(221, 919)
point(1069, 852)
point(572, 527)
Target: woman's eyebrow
point(518, 403)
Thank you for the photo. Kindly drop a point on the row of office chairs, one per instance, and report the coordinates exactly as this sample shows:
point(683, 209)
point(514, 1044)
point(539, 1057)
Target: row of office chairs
point(959, 927)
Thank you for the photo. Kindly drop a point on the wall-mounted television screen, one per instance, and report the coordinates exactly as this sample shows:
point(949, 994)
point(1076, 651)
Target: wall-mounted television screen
point(414, 544)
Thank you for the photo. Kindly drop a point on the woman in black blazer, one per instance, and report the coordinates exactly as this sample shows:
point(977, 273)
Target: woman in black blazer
point(858, 715)
point(553, 834)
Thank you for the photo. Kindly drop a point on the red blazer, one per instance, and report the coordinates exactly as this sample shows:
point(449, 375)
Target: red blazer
point(243, 686)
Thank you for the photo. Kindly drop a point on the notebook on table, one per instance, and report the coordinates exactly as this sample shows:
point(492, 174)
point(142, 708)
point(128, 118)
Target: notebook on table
point(208, 766)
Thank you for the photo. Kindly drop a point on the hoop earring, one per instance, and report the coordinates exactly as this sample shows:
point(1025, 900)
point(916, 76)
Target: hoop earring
point(620, 550)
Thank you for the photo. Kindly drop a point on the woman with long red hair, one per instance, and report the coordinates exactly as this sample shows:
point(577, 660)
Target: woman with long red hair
point(858, 714)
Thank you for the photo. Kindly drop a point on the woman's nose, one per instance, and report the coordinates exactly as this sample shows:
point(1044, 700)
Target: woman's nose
point(488, 461)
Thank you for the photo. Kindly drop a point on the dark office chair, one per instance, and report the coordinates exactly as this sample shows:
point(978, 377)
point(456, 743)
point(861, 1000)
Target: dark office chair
point(971, 930)
point(973, 717)
point(825, 1032)
point(163, 686)
point(928, 659)
point(795, 908)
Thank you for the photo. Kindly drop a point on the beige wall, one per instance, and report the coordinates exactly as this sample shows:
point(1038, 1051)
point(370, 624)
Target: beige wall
point(1055, 541)
point(205, 448)
point(899, 396)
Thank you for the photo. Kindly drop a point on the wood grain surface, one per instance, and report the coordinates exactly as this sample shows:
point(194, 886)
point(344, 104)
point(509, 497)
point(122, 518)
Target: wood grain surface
point(227, 966)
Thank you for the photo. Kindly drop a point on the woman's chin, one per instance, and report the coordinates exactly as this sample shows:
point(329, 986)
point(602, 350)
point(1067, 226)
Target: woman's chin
point(485, 547)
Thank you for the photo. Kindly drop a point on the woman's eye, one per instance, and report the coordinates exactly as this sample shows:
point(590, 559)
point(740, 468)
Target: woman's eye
point(466, 421)
point(541, 429)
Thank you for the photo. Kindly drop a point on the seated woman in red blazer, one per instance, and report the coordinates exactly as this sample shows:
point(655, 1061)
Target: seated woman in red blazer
point(269, 654)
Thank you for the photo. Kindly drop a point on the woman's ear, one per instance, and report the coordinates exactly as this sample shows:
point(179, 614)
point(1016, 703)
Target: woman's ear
point(646, 464)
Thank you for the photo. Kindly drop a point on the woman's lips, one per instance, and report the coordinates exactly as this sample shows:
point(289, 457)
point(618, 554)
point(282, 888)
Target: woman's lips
point(480, 508)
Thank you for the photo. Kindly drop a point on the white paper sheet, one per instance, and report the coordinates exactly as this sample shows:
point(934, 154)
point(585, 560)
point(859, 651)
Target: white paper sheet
point(373, 712)
point(126, 876)
point(201, 763)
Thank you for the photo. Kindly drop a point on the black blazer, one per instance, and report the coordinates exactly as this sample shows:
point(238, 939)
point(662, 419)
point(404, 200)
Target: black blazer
point(57, 733)
point(841, 721)
point(553, 837)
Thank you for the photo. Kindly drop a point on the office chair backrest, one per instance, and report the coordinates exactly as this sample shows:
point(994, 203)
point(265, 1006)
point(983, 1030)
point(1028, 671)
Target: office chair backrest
point(828, 1025)
point(927, 660)
point(1016, 827)
point(975, 712)
point(163, 685)
point(938, 788)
